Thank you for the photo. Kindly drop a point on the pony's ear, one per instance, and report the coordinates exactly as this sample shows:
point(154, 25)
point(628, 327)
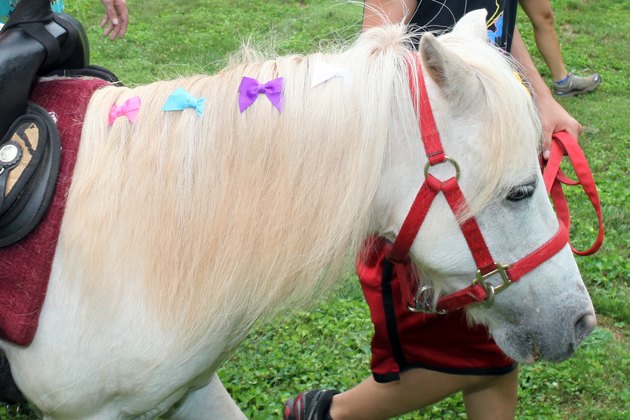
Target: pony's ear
point(474, 24)
point(445, 68)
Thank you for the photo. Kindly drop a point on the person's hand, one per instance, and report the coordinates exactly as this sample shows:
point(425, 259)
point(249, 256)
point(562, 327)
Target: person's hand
point(116, 18)
point(553, 118)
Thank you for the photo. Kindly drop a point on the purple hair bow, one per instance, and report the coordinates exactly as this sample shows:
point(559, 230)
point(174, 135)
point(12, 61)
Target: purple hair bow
point(129, 109)
point(251, 88)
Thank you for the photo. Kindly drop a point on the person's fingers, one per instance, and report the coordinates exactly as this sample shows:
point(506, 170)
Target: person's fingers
point(108, 28)
point(115, 32)
point(123, 15)
point(554, 118)
point(116, 19)
point(110, 12)
point(575, 131)
point(574, 128)
point(547, 134)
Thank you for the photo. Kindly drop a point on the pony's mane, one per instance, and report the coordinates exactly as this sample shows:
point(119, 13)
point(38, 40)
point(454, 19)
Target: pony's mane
point(221, 216)
point(219, 219)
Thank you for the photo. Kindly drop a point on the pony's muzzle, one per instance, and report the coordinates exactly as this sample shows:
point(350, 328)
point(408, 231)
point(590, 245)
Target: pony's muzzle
point(584, 325)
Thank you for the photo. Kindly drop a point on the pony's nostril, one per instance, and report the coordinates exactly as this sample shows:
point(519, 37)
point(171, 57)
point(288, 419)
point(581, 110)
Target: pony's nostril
point(584, 326)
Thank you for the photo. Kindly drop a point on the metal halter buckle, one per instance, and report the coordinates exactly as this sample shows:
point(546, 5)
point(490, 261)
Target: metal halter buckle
point(422, 302)
point(491, 289)
point(446, 159)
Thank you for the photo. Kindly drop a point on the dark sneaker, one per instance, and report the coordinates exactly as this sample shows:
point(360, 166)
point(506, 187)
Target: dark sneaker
point(576, 85)
point(310, 405)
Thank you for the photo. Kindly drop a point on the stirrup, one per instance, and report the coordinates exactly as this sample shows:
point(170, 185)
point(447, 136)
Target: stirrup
point(29, 163)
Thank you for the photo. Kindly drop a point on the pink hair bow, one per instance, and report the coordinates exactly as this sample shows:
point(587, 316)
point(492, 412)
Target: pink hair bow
point(251, 88)
point(129, 109)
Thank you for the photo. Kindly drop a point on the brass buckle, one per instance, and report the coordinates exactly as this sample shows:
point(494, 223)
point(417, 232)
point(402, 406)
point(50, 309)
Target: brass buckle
point(446, 159)
point(491, 289)
point(423, 302)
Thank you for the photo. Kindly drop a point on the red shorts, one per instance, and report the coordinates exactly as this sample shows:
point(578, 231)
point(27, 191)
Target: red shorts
point(404, 340)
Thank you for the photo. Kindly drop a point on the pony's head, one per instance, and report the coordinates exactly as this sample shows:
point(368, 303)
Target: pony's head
point(488, 123)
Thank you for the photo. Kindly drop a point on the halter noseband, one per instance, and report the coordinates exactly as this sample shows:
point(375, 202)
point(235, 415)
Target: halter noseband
point(480, 290)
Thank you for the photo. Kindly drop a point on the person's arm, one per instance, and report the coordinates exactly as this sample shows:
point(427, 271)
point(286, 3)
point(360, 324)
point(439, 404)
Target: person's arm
point(380, 12)
point(552, 115)
point(116, 18)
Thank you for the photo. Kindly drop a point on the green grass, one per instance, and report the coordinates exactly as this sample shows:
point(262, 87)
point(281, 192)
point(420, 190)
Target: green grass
point(329, 346)
point(166, 39)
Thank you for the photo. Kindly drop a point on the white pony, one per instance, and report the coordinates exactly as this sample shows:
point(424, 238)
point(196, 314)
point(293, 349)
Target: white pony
point(181, 231)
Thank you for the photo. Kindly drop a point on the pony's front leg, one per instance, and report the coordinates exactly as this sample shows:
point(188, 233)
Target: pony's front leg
point(210, 402)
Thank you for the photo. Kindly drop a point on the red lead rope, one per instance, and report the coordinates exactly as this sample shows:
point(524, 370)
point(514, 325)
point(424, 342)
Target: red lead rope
point(479, 290)
point(565, 145)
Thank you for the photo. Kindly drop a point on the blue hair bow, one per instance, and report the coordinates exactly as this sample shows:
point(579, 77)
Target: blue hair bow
point(180, 100)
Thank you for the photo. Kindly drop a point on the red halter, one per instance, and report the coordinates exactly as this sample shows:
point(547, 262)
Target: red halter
point(480, 290)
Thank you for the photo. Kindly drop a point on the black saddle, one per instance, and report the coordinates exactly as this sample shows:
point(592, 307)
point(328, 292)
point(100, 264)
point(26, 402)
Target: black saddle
point(29, 163)
point(88, 71)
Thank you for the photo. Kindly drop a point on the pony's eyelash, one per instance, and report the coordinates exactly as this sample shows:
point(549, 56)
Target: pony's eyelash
point(521, 192)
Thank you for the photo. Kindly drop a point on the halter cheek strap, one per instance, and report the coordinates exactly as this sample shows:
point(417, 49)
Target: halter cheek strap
point(480, 290)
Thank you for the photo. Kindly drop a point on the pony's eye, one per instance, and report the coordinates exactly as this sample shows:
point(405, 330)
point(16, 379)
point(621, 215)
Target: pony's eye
point(521, 192)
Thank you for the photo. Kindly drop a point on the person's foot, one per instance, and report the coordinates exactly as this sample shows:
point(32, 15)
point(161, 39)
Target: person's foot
point(575, 85)
point(310, 405)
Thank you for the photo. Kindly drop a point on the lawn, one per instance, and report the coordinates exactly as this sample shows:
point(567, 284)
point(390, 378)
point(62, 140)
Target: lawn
point(329, 345)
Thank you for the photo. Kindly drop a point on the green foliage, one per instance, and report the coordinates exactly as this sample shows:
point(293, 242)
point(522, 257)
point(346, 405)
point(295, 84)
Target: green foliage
point(329, 346)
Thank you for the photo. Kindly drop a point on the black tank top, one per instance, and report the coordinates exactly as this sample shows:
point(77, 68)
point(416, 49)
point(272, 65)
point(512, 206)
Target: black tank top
point(440, 16)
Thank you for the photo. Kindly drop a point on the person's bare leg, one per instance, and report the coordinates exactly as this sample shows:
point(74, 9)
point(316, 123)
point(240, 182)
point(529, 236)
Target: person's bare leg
point(379, 12)
point(416, 389)
point(541, 16)
point(493, 400)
